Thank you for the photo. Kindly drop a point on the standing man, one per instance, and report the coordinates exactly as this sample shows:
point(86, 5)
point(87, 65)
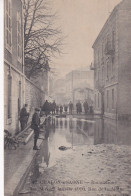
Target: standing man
point(86, 107)
point(78, 107)
point(57, 109)
point(46, 108)
point(70, 107)
point(65, 108)
point(53, 107)
point(35, 124)
point(61, 109)
point(24, 115)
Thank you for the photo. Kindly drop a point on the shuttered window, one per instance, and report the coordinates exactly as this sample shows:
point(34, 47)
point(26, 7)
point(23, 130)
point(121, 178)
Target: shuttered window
point(112, 98)
point(8, 25)
point(9, 95)
point(19, 38)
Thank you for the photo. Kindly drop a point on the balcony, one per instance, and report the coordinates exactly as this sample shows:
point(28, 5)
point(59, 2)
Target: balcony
point(109, 49)
point(99, 85)
point(92, 66)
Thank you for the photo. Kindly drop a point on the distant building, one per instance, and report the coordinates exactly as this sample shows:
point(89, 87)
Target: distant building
point(112, 64)
point(82, 94)
point(13, 63)
point(79, 85)
point(59, 90)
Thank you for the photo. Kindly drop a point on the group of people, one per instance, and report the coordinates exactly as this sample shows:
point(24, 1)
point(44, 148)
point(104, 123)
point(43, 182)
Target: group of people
point(59, 109)
point(88, 109)
point(49, 108)
point(54, 108)
point(35, 123)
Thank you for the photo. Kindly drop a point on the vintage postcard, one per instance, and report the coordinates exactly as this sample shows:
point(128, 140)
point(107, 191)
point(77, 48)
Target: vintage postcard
point(67, 97)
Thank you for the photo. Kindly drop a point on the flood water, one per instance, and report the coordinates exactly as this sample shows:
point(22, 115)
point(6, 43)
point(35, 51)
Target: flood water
point(72, 132)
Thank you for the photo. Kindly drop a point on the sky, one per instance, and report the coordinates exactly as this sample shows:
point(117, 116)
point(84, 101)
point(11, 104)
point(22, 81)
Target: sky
point(81, 22)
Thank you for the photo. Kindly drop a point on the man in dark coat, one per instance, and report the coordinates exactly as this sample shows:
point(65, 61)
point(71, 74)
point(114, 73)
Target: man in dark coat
point(78, 107)
point(35, 124)
point(65, 108)
point(86, 107)
point(24, 115)
point(70, 107)
point(53, 107)
point(61, 109)
point(57, 109)
point(46, 108)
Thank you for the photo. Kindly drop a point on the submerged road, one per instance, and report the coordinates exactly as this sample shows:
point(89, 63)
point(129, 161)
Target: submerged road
point(96, 161)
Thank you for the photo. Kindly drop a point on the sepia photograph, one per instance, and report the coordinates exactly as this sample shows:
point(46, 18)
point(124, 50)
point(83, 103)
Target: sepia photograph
point(67, 97)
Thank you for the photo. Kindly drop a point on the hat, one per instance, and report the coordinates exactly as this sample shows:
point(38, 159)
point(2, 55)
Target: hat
point(37, 109)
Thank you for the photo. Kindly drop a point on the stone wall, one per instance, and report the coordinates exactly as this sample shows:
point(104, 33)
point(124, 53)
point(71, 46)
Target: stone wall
point(34, 96)
point(22, 91)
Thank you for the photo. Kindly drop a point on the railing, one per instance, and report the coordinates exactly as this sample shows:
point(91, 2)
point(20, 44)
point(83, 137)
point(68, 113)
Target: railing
point(99, 86)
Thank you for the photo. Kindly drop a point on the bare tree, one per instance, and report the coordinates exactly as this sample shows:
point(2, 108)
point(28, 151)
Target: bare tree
point(42, 40)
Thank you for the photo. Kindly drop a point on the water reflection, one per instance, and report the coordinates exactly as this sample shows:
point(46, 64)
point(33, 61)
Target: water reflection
point(61, 123)
point(65, 124)
point(71, 124)
point(72, 132)
point(112, 132)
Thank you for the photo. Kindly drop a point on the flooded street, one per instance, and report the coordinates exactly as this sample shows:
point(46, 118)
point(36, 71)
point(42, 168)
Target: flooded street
point(96, 160)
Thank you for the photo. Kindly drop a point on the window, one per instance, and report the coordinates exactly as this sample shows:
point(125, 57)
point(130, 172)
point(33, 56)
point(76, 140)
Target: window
point(8, 28)
point(19, 43)
point(107, 70)
point(98, 100)
point(107, 98)
point(102, 74)
point(95, 100)
point(112, 66)
point(113, 39)
point(19, 97)
point(102, 49)
point(108, 40)
point(98, 57)
point(98, 75)
point(9, 95)
point(112, 98)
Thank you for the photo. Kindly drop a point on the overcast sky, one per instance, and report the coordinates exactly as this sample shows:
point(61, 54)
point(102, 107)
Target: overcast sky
point(80, 21)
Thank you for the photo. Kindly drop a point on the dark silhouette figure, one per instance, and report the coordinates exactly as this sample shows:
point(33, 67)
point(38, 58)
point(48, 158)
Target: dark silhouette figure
point(35, 124)
point(70, 107)
point(24, 115)
point(78, 108)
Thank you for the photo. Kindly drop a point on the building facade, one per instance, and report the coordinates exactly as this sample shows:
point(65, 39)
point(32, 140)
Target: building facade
point(112, 64)
point(79, 85)
point(82, 94)
point(59, 91)
point(18, 89)
point(14, 93)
